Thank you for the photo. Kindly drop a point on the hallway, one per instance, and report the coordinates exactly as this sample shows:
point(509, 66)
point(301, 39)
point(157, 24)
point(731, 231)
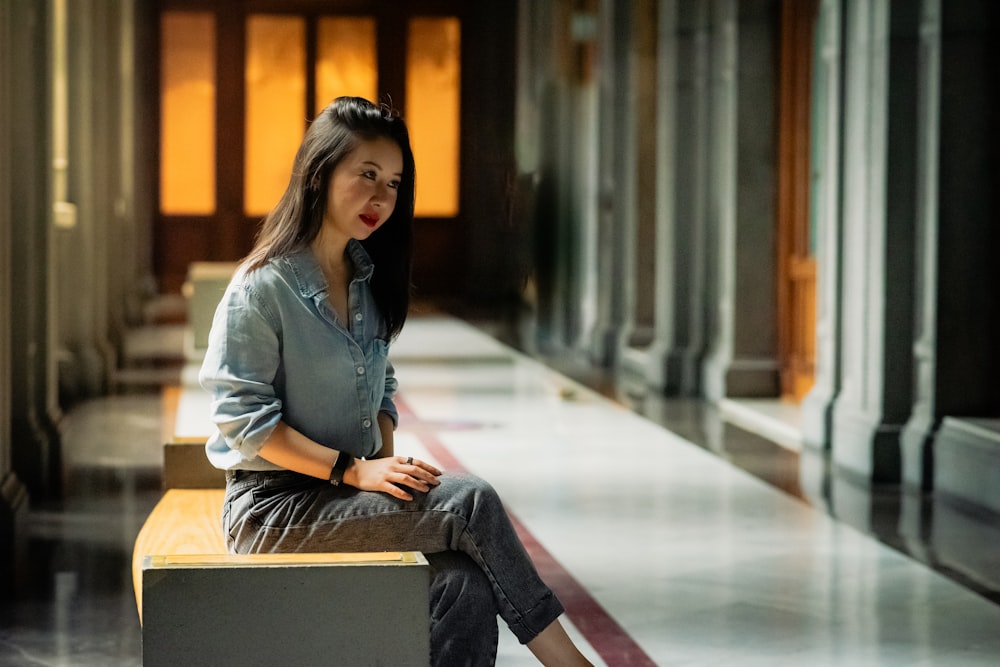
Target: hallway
point(664, 551)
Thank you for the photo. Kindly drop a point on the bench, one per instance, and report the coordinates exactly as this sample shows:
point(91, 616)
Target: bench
point(199, 605)
point(185, 465)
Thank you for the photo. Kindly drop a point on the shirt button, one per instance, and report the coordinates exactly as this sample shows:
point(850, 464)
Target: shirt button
point(359, 317)
point(367, 423)
point(361, 370)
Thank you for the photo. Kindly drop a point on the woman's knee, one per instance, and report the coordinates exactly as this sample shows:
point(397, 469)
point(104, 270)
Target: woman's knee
point(470, 492)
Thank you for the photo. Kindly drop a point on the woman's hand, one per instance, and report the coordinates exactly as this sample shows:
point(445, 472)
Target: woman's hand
point(392, 473)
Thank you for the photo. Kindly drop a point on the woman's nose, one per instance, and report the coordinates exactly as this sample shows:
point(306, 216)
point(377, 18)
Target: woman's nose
point(382, 195)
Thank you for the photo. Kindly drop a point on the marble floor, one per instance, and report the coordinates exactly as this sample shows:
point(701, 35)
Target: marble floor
point(673, 536)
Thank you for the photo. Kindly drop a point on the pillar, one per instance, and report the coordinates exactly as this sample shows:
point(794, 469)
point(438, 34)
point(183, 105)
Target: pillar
point(13, 494)
point(616, 196)
point(35, 450)
point(948, 436)
point(878, 213)
point(817, 407)
point(743, 359)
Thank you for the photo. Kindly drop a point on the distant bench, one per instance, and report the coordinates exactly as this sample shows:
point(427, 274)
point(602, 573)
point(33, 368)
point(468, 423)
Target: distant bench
point(201, 606)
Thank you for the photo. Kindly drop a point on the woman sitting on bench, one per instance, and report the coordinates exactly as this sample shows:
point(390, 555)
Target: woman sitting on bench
point(303, 399)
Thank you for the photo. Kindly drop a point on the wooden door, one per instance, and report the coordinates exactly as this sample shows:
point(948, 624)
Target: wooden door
point(796, 262)
point(238, 81)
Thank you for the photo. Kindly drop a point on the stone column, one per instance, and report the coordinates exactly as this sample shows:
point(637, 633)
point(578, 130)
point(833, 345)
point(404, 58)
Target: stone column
point(743, 360)
point(817, 407)
point(13, 495)
point(958, 307)
point(876, 301)
point(657, 271)
point(34, 403)
point(917, 437)
point(86, 141)
point(690, 226)
point(615, 222)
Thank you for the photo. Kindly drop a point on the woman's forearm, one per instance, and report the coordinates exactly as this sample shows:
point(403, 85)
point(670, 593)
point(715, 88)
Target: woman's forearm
point(386, 427)
point(292, 450)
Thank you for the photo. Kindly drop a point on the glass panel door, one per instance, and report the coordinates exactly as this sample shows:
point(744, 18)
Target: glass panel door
point(275, 106)
point(187, 113)
point(433, 77)
point(346, 62)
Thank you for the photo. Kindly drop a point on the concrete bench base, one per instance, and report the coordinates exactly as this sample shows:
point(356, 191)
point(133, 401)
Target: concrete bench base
point(201, 606)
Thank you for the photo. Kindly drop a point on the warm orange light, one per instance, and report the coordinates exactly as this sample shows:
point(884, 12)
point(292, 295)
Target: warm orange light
point(433, 68)
point(346, 62)
point(187, 113)
point(275, 106)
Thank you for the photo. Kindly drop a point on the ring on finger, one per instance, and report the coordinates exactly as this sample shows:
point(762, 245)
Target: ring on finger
point(409, 460)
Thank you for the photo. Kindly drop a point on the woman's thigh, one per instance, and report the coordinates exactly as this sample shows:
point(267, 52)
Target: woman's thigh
point(286, 512)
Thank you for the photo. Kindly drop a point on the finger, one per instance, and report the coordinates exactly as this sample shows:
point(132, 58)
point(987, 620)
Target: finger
point(431, 469)
point(423, 465)
point(424, 476)
point(415, 482)
point(420, 465)
point(395, 490)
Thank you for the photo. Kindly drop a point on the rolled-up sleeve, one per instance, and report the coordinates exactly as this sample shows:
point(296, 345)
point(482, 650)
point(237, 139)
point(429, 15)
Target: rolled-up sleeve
point(239, 371)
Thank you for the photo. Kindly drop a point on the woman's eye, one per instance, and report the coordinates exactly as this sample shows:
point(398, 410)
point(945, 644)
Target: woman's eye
point(394, 185)
point(370, 175)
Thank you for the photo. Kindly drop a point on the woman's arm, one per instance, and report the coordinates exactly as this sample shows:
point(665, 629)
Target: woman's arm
point(290, 449)
point(387, 427)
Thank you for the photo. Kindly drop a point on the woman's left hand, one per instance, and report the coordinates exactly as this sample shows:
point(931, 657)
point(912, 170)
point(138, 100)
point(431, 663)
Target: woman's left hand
point(391, 474)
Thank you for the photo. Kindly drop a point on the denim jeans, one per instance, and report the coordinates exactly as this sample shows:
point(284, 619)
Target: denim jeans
point(479, 567)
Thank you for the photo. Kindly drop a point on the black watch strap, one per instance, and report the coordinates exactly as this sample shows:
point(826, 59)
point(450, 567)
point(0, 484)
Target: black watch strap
point(337, 472)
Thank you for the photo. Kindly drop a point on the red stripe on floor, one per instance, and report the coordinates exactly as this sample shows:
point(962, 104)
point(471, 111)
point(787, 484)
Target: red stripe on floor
point(601, 631)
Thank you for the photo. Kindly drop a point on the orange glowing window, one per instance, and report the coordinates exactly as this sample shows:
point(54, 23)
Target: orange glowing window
point(346, 62)
point(275, 106)
point(187, 113)
point(433, 71)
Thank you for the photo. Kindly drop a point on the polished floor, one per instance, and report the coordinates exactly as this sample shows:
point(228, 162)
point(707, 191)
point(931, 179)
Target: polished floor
point(672, 536)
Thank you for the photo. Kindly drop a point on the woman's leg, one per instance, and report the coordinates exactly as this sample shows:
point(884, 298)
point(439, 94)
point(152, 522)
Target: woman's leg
point(554, 648)
point(286, 512)
point(463, 612)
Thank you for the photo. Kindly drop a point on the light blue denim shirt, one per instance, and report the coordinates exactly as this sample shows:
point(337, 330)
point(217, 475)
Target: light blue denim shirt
point(277, 351)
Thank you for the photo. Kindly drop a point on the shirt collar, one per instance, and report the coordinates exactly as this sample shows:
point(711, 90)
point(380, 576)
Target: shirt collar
point(309, 275)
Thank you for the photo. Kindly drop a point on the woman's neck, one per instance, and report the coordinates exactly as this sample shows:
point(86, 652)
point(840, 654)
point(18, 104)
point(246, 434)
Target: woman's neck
point(331, 254)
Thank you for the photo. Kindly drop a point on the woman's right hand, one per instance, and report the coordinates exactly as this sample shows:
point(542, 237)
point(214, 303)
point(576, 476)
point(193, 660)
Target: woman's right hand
point(391, 474)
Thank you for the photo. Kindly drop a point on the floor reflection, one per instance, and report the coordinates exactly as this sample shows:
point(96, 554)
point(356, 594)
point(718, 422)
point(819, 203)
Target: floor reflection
point(961, 542)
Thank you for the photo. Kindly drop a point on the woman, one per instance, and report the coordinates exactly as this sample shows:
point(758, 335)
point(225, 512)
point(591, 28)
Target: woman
point(303, 398)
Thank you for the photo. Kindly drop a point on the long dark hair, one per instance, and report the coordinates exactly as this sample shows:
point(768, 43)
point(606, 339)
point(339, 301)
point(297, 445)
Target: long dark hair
point(294, 222)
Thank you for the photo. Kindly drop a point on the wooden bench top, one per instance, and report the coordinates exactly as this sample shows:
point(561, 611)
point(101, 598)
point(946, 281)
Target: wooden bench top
point(185, 529)
point(185, 521)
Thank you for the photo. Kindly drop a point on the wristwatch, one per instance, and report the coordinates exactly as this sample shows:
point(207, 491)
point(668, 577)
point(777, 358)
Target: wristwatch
point(337, 472)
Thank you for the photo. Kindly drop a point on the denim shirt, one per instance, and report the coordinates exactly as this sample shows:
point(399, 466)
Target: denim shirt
point(277, 351)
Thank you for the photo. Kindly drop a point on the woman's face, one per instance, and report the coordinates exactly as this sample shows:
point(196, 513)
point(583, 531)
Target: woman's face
point(363, 188)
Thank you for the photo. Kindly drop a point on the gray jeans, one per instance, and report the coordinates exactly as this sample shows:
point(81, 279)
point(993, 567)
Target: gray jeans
point(479, 567)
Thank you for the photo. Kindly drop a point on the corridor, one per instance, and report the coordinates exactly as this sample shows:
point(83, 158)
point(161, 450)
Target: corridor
point(672, 538)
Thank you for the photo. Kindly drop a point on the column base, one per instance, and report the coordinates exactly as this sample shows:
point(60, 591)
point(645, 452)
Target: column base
point(13, 533)
point(817, 418)
point(864, 448)
point(967, 462)
point(917, 443)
